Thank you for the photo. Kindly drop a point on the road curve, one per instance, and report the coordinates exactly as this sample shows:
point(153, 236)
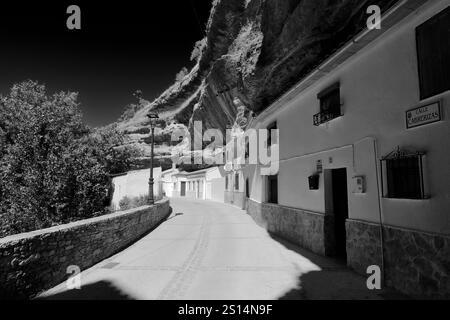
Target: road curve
point(209, 250)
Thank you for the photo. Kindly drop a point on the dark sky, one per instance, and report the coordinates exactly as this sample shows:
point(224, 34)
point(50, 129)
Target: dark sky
point(121, 47)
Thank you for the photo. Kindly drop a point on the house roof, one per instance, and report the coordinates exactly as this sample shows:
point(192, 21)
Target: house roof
point(195, 173)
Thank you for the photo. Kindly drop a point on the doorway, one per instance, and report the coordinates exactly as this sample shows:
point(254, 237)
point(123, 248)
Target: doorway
point(340, 210)
point(183, 189)
point(336, 207)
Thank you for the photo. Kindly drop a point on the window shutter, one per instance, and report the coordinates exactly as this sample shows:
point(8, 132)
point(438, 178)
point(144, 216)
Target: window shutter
point(433, 54)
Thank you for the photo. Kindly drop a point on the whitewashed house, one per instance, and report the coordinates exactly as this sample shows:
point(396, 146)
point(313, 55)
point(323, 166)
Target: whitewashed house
point(206, 184)
point(169, 181)
point(364, 163)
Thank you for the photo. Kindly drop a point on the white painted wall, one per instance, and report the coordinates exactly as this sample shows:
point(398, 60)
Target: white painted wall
point(169, 181)
point(377, 86)
point(135, 184)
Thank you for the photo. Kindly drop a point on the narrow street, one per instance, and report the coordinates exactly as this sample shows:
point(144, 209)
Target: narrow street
point(209, 250)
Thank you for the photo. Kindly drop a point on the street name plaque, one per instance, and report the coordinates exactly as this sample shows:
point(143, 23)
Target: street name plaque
point(423, 115)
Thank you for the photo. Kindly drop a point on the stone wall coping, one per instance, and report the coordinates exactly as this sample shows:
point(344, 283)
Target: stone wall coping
point(12, 239)
point(429, 233)
point(371, 223)
point(289, 208)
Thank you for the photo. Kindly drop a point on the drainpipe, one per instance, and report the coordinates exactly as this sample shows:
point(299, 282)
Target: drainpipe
point(380, 208)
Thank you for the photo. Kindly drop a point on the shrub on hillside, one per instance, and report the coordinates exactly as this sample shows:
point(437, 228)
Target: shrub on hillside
point(129, 203)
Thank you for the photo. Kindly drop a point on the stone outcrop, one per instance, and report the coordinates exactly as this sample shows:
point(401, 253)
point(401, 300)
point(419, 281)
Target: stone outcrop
point(36, 261)
point(254, 50)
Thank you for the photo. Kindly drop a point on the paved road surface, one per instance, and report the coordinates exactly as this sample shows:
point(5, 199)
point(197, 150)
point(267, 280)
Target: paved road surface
point(209, 250)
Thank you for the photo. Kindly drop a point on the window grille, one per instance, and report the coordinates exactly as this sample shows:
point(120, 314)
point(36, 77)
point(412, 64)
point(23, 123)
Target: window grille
point(403, 175)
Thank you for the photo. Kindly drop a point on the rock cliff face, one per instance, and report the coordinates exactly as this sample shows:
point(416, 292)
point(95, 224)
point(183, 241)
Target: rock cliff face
point(254, 50)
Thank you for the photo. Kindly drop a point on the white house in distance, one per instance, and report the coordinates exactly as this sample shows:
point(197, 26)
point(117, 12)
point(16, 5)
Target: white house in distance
point(207, 184)
point(169, 180)
point(134, 184)
point(364, 153)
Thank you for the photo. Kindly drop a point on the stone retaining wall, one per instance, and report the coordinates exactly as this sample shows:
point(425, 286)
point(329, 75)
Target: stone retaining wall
point(416, 263)
point(304, 228)
point(363, 245)
point(36, 261)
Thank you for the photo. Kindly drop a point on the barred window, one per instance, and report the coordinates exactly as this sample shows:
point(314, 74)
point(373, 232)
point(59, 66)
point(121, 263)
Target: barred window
point(330, 105)
point(403, 175)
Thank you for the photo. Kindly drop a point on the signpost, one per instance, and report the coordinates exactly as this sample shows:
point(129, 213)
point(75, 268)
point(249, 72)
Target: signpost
point(423, 115)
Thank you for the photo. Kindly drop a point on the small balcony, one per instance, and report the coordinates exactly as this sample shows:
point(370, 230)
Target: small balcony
point(325, 116)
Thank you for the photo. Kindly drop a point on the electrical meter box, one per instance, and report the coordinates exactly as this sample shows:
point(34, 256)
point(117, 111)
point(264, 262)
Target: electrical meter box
point(359, 184)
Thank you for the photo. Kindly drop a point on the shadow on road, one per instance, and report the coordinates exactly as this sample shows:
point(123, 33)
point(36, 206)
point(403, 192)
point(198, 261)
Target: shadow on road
point(175, 215)
point(102, 290)
point(335, 281)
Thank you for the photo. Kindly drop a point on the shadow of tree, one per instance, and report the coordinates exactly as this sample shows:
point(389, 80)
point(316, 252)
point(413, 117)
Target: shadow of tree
point(101, 290)
point(175, 215)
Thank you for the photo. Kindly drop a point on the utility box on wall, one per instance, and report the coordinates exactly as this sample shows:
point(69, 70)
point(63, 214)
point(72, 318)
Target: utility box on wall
point(359, 184)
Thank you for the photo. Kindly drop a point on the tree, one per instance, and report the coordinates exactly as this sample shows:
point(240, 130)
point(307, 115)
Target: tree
point(53, 168)
point(109, 142)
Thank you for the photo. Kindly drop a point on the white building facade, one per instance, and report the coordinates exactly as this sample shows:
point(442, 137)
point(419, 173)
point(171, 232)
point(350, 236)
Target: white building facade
point(134, 184)
point(364, 170)
point(207, 184)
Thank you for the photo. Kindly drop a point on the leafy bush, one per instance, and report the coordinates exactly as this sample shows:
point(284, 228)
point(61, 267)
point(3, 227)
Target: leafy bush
point(53, 168)
point(127, 203)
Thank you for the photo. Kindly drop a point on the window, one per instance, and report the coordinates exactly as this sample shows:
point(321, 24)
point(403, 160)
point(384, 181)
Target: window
point(403, 175)
point(330, 105)
point(236, 181)
point(272, 126)
point(272, 196)
point(433, 54)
